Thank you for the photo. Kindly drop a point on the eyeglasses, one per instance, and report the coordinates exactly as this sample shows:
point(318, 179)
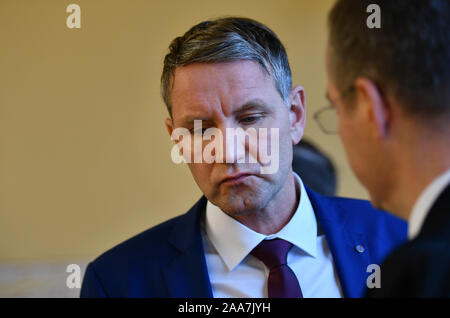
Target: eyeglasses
point(327, 119)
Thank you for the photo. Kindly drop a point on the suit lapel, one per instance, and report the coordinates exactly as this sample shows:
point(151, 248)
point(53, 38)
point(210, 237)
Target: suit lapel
point(343, 241)
point(186, 274)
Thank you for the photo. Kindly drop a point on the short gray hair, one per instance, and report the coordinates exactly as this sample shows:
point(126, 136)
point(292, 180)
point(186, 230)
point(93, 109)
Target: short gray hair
point(225, 40)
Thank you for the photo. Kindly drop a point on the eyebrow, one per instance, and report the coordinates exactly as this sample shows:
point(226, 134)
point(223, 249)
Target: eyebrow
point(255, 104)
point(190, 120)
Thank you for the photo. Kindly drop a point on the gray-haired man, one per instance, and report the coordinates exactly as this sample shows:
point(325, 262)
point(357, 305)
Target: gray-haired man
point(252, 234)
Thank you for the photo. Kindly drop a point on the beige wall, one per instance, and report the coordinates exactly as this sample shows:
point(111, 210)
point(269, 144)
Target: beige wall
point(85, 157)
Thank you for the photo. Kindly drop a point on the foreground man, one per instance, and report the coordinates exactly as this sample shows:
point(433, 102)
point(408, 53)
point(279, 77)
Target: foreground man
point(391, 89)
point(253, 234)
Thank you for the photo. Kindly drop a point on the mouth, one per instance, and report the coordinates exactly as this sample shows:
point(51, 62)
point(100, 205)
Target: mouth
point(236, 178)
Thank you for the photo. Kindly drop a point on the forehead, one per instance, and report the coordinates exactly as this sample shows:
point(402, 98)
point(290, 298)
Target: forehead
point(208, 88)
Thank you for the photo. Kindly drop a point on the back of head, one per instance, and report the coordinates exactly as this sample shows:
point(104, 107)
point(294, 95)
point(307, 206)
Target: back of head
point(407, 57)
point(226, 40)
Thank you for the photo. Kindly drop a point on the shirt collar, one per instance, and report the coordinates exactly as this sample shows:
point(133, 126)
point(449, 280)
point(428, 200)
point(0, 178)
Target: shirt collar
point(424, 203)
point(234, 241)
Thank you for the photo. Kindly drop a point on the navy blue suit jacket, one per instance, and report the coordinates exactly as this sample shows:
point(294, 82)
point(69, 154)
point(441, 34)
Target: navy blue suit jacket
point(168, 260)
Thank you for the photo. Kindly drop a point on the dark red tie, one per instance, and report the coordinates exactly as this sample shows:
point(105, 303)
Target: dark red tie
point(282, 281)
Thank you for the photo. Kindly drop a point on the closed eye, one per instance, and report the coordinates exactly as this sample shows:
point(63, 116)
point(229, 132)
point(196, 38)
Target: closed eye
point(198, 131)
point(248, 120)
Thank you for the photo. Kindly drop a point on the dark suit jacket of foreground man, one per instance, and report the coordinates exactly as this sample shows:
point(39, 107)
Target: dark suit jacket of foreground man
point(421, 267)
point(168, 260)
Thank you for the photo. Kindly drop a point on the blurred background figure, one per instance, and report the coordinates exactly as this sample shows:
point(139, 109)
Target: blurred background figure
point(315, 168)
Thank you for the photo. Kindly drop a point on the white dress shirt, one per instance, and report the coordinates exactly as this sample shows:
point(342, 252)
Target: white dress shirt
point(424, 203)
point(233, 272)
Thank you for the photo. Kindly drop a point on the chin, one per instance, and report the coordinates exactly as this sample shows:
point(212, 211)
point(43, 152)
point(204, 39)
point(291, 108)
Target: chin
point(241, 207)
point(240, 204)
point(376, 202)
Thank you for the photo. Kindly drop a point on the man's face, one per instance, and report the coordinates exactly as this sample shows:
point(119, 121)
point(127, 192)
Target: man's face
point(360, 143)
point(235, 95)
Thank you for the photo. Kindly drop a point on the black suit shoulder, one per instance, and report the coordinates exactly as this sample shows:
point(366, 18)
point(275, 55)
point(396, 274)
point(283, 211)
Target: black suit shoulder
point(421, 267)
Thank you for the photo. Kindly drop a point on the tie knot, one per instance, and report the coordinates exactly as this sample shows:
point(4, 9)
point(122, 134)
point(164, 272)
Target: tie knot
point(273, 253)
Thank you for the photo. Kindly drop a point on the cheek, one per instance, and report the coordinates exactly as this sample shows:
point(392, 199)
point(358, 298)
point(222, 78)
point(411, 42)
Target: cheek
point(201, 173)
point(348, 136)
point(357, 152)
point(279, 141)
point(343, 131)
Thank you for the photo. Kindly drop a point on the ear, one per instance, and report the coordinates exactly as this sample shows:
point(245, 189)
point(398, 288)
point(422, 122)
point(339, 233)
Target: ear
point(297, 113)
point(178, 135)
point(377, 109)
point(169, 125)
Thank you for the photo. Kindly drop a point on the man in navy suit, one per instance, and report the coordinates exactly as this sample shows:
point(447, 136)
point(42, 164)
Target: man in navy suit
point(232, 74)
point(391, 88)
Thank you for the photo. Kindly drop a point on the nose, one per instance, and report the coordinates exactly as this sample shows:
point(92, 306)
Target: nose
point(234, 147)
